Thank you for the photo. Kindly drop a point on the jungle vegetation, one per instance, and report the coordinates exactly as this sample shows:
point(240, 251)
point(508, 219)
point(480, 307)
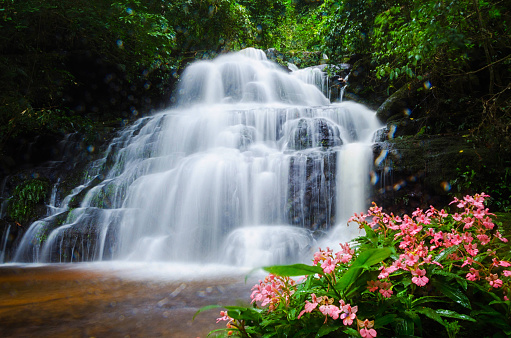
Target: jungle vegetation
point(74, 66)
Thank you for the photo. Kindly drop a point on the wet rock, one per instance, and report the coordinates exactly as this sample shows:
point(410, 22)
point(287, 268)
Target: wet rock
point(419, 171)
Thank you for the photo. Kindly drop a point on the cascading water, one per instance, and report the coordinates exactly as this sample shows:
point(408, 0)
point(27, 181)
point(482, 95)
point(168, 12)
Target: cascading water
point(249, 168)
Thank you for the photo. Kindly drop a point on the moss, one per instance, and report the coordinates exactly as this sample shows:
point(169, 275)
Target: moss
point(26, 197)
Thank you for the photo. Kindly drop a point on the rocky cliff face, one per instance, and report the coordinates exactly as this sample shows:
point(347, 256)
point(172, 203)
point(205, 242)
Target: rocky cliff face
point(419, 171)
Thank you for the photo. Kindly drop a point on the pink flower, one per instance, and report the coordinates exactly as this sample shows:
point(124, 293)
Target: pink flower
point(366, 330)
point(457, 217)
point(309, 306)
point(410, 259)
point(471, 249)
point(329, 265)
point(480, 213)
point(429, 260)
point(499, 236)
point(494, 280)
point(224, 317)
point(468, 261)
point(473, 275)
point(420, 279)
point(442, 213)
point(469, 222)
point(488, 223)
point(386, 293)
point(368, 333)
point(507, 273)
point(399, 265)
point(385, 271)
point(437, 237)
point(454, 238)
point(330, 310)
point(467, 237)
point(484, 239)
point(349, 314)
point(373, 285)
point(385, 289)
point(423, 219)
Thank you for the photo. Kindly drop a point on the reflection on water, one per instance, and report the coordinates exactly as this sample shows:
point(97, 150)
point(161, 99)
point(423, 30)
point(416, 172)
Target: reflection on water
point(103, 300)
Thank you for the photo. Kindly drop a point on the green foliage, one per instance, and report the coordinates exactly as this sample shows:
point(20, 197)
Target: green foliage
point(300, 30)
point(415, 38)
point(348, 26)
point(410, 39)
point(25, 198)
point(266, 17)
point(211, 26)
point(490, 179)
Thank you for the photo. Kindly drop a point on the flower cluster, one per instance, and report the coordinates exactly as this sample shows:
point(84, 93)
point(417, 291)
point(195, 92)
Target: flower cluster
point(345, 312)
point(384, 288)
point(329, 261)
point(428, 233)
point(273, 290)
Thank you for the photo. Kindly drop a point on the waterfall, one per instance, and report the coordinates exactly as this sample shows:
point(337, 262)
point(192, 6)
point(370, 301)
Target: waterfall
point(3, 244)
point(251, 167)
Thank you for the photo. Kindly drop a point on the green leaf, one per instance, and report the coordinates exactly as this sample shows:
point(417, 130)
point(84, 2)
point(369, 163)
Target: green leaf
point(370, 233)
point(429, 312)
point(293, 270)
point(329, 327)
point(427, 299)
point(445, 253)
point(454, 314)
point(205, 308)
point(453, 292)
point(243, 313)
point(404, 326)
point(351, 331)
point(461, 281)
point(382, 321)
point(371, 257)
point(365, 260)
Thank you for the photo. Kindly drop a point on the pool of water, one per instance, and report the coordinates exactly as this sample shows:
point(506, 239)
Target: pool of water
point(116, 300)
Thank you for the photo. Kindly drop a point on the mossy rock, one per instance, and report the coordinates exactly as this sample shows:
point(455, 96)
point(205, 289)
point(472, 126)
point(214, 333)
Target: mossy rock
point(27, 197)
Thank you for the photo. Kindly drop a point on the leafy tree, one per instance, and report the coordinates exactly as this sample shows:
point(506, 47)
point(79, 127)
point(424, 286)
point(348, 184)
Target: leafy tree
point(266, 16)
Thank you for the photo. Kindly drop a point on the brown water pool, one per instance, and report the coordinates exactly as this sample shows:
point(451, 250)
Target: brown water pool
point(70, 301)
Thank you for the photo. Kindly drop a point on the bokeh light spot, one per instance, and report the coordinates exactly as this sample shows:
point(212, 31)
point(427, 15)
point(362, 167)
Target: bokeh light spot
point(381, 157)
point(446, 186)
point(392, 131)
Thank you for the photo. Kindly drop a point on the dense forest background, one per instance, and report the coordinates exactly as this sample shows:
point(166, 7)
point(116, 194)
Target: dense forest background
point(430, 67)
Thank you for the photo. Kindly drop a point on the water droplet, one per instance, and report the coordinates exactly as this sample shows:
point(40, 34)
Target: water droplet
point(427, 84)
point(119, 43)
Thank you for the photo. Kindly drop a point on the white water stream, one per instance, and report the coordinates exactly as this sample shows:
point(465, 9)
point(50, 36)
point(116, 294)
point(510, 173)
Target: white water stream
point(249, 168)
